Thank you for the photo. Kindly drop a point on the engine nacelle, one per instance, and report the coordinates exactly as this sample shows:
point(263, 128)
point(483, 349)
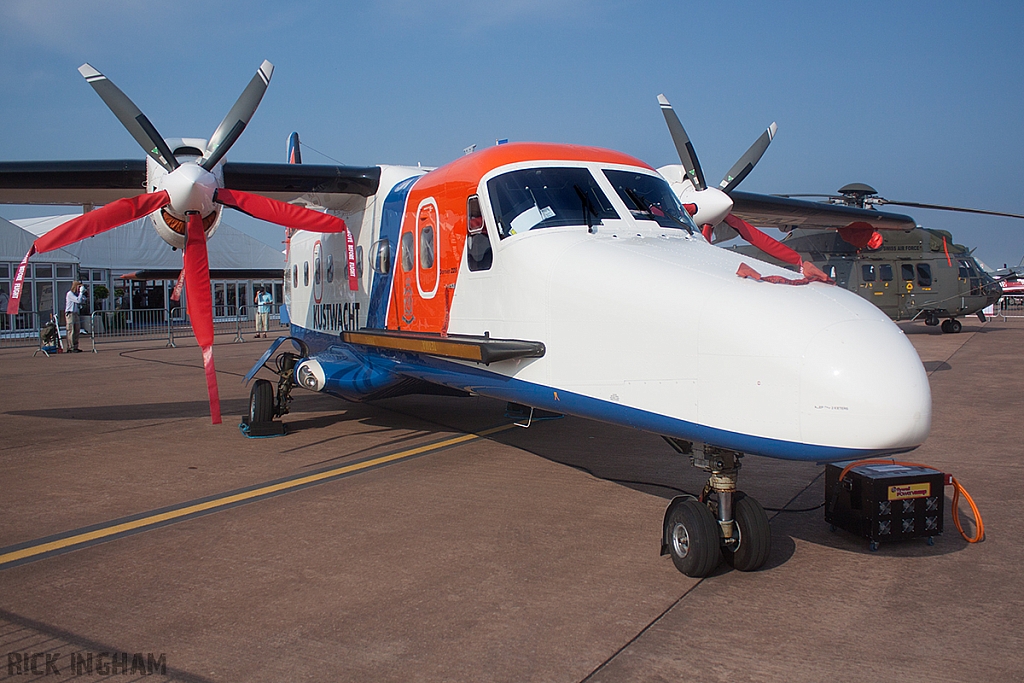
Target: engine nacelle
point(713, 205)
point(170, 223)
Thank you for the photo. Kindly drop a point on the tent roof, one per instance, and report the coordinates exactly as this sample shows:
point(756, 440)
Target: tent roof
point(136, 246)
point(16, 241)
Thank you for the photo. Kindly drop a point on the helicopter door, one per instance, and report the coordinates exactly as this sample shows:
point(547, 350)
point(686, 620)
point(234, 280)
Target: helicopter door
point(907, 291)
point(885, 294)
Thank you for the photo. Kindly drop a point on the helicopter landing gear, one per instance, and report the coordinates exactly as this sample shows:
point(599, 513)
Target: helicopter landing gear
point(951, 326)
point(723, 522)
point(931, 320)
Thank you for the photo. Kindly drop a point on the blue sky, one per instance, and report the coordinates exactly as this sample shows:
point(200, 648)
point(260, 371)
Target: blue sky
point(921, 100)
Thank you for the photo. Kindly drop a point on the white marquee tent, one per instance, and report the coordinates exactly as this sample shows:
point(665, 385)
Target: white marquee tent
point(136, 246)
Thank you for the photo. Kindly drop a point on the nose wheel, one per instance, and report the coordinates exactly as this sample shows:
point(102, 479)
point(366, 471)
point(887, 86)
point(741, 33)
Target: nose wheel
point(723, 523)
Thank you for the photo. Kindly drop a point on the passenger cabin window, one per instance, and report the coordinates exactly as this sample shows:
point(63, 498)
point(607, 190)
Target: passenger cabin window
point(885, 272)
point(330, 267)
point(868, 272)
point(924, 275)
point(381, 254)
point(545, 198)
point(305, 273)
point(650, 198)
point(295, 275)
point(316, 271)
point(907, 271)
point(407, 248)
point(478, 244)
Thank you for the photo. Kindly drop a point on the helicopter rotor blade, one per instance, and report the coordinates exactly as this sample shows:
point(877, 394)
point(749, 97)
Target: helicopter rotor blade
point(131, 117)
point(684, 147)
point(746, 163)
point(940, 207)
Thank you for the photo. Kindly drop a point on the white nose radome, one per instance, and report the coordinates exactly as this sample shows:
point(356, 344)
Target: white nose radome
point(862, 385)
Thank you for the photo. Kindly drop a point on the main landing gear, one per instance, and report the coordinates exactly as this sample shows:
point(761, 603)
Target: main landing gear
point(722, 522)
point(952, 326)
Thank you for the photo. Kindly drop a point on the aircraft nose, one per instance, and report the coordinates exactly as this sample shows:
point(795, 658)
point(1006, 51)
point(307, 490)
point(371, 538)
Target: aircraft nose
point(863, 386)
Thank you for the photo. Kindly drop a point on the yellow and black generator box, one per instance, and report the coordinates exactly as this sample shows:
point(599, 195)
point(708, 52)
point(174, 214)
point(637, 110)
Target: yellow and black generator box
point(885, 502)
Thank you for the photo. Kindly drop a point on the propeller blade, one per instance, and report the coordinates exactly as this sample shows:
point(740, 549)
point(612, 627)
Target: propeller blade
point(200, 304)
point(281, 213)
point(746, 163)
point(130, 117)
point(762, 241)
point(687, 156)
point(238, 118)
point(92, 223)
point(940, 207)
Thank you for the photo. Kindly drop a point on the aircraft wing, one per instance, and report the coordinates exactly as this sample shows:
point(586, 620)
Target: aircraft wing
point(101, 182)
point(784, 213)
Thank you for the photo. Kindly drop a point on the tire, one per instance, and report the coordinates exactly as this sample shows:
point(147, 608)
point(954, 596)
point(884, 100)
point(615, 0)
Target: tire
point(755, 535)
point(955, 326)
point(261, 402)
point(693, 540)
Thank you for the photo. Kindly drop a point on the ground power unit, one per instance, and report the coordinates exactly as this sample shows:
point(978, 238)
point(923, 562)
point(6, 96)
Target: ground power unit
point(885, 502)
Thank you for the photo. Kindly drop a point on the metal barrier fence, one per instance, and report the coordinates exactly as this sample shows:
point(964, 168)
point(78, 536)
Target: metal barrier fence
point(22, 329)
point(1010, 306)
point(125, 325)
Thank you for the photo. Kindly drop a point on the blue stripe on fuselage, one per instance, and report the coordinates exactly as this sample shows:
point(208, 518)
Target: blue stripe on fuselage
point(479, 380)
point(390, 226)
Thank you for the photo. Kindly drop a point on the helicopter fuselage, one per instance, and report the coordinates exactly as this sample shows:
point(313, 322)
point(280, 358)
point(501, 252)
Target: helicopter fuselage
point(918, 274)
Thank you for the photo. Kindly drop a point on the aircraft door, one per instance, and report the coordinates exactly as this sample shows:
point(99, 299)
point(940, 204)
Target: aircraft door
point(417, 275)
point(907, 291)
point(885, 291)
point(427, 256)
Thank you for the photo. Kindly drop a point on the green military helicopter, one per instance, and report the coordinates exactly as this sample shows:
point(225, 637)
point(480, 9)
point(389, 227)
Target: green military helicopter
point(914, 274)
point(909, 272)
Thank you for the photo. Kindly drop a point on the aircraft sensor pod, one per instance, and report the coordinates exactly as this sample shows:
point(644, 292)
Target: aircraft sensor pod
point(310, 375)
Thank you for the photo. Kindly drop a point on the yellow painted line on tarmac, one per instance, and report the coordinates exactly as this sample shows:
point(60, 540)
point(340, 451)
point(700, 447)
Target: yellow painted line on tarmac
point(114, 528)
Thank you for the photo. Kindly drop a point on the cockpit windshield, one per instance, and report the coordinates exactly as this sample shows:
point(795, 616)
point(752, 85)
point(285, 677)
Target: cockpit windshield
point(547, 197)
point(650, 198)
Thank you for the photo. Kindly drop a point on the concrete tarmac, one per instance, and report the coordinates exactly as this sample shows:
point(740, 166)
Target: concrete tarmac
point(395, 541)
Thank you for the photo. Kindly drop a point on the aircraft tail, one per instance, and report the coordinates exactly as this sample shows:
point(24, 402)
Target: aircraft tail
point(294, 150)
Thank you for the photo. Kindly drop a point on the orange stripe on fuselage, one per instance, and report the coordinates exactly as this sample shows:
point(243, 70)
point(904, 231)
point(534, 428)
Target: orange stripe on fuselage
point(450, 186)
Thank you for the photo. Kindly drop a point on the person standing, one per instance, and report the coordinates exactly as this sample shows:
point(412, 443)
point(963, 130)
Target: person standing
point(263, 303)
point(72, 302)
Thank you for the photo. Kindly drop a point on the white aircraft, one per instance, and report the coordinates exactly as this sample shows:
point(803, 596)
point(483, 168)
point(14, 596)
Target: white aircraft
point(562, 278)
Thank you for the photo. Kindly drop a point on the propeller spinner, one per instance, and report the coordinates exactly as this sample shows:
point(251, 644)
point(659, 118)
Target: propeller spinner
point(186, 198)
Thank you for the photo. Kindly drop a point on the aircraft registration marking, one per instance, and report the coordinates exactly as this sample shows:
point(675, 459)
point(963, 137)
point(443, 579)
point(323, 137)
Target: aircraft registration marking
point(38, 549)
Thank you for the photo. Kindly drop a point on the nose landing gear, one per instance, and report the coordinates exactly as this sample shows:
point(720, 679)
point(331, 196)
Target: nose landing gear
point(698, 532)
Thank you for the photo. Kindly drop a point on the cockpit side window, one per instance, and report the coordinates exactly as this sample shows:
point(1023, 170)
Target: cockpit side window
point(547, 197)
point(478, 244)
point(650, 198)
